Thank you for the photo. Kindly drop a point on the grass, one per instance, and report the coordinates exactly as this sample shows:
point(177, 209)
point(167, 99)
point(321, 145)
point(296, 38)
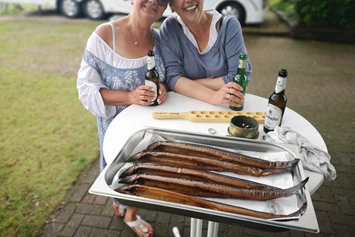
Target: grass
point(47, 137)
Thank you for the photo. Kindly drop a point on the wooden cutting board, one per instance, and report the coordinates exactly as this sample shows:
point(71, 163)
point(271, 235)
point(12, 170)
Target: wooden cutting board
point(209, 116)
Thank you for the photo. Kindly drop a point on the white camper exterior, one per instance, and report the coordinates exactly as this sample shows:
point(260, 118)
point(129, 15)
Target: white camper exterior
point(247, 11)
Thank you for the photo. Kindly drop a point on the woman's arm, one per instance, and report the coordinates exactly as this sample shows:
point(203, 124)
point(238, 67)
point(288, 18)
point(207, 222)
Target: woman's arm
point(210, 90)
point(212, 83)
point(225, 95)
point(234, 45)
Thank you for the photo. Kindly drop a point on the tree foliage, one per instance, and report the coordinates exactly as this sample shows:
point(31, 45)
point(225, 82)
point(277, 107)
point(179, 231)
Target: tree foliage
point(323, 13)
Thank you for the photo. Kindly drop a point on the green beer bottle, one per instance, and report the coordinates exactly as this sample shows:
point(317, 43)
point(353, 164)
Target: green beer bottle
point(240, 78)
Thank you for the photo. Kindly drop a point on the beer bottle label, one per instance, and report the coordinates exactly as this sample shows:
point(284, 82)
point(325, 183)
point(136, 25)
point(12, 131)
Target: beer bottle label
point(273, 117)
point(242, 64)
point(151, 63)
point(154, 86)
point(280, 84)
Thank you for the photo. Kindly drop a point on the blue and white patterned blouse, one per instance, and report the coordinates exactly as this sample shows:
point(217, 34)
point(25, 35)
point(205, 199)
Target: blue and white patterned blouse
point(102, 67)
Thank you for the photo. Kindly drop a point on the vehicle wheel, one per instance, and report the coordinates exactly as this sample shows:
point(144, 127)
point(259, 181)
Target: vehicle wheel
point(93, 9)
point(70, 8)
point(235, 9)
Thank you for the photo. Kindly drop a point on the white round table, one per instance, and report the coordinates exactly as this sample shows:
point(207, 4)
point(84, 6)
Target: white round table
point(136, 117)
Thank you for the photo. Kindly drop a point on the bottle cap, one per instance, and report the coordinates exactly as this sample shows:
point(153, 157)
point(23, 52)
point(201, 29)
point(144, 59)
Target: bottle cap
point(150, 53)
point(283, 73)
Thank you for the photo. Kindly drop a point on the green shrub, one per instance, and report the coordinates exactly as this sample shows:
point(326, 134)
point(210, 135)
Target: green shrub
point(323, 13)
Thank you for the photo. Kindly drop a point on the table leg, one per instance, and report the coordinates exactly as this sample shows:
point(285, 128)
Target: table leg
point(212, 229)
point(193, 227)
point(196, 227)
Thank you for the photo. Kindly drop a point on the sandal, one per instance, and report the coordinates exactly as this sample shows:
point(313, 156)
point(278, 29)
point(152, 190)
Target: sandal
point(137, 223)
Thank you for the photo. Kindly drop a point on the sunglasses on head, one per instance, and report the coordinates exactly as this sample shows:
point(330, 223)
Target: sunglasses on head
point(163, 3)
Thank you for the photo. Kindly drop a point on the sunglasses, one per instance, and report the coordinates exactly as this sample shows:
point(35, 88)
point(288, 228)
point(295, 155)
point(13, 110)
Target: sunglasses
point(163, 3)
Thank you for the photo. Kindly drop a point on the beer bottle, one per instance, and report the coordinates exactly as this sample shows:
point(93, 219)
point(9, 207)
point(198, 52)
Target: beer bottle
point(152, 76)
point(240, 78)
point(277, 103)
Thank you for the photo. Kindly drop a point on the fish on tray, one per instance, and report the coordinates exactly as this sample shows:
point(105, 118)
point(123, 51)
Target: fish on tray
point(205, 163)
point(206, 189)
point(193, 174)
point(181, 173)
point(207, 151)
point(170, 196)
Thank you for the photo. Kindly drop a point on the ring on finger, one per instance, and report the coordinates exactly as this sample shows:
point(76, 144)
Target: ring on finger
point(228, 90)
point(229, 97)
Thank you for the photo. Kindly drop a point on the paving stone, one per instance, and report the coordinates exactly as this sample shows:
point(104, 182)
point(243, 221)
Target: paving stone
point(96, 221)
point(324, 223)
point(342, 219)
point(185, 231)
point(91, 209)
point(91, 175)
point(108, 210)
point(177, 221)
point(322, 195)
point(148, 215)
point(162, 229)
point(295, 233)
point(344, 205)
point(163, 218)
point(52, 229)
point(72, 225)
point(83, 231)
point(101, 200)
point(78, 192)
point(117, 223)
point(234, 231)
point(343, 179)
point(326, 207)
point(127, 232)
point(64, 214)
point(89, 198)
point(96, 232)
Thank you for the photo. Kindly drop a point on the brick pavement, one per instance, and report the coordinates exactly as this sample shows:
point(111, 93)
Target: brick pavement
point(320, 87)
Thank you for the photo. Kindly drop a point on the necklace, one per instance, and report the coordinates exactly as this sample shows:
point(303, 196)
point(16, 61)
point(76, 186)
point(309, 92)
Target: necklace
point(135, 40)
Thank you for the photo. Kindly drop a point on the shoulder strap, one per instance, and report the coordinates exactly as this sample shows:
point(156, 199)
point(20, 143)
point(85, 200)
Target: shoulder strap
point(113, 37)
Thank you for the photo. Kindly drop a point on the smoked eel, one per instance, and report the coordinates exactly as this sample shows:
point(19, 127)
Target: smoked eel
point(165, 195)
point(207, 151)
point(198, 188)
point(193, 174)
point(198, 162)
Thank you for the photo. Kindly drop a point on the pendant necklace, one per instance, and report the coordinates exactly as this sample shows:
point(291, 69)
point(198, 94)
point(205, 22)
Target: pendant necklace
point(135, 40)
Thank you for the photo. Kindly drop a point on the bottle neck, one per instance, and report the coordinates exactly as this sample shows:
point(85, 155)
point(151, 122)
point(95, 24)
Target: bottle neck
point(242, 64)
point(280, 85)
point(150, 63)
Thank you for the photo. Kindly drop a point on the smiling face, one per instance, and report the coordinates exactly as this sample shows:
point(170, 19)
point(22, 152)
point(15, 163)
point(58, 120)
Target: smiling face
point(149, 9)
point(190, 11)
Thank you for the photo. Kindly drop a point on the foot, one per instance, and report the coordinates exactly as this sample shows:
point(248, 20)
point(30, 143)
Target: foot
point(119, 211)
point(140, 227)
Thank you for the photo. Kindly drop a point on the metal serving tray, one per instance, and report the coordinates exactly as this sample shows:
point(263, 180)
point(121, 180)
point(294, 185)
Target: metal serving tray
point(107, 182)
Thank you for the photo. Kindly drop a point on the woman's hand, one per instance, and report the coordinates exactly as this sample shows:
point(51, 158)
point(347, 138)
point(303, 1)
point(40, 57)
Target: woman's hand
point(143, 95)
point(230, 94)
point(162, 93)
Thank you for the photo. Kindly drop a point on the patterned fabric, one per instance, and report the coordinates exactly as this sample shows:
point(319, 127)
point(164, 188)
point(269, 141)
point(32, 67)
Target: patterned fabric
point(101, 67)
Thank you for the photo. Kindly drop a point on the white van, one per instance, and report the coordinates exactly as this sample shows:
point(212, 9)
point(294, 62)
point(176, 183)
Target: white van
point(247, 11)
